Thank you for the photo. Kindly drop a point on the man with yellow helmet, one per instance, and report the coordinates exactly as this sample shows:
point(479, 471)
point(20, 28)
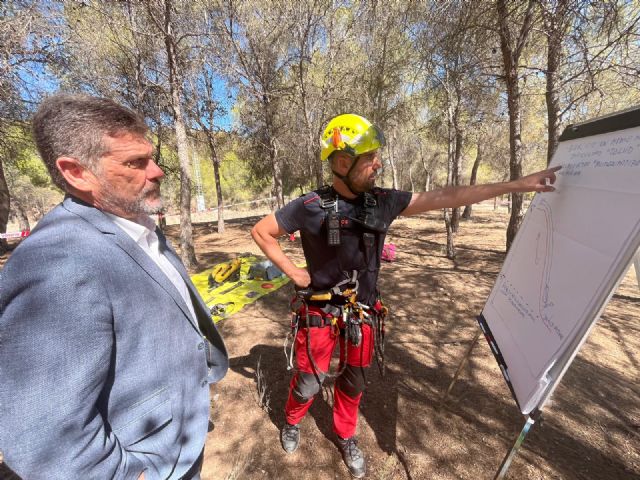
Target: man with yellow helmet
point(359, 139)
point(342, 228)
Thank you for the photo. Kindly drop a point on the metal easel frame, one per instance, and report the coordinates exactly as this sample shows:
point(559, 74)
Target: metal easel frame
point(506, 463)
point(533, 417)
point(536, 414)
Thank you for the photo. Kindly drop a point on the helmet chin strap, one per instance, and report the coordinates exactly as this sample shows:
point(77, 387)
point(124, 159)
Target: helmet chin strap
point(347, 182)
point(345, 178)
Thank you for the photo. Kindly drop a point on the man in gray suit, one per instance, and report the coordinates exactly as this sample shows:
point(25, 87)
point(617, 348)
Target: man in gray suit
point(106, 349)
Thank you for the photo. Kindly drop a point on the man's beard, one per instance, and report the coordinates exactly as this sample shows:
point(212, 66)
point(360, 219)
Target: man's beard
point(363, 186)
point(113, 201)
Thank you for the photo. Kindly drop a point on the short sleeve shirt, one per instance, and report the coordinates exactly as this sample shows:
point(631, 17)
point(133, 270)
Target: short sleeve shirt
point(329, 265)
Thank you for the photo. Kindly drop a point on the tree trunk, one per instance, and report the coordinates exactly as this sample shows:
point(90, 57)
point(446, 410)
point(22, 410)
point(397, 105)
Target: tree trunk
point(455, 213)
point(313, 152)
point(448, 215)
point(5, 205)
point(186, 230)
point(457, 158)
point(511, 57)
point(413, 187)
point(216, 176)
point(555, 36)
point(427, 171)
point(277, 174)
point(317, 167)
point(273, 153)
point(392, 160)
point(451, 252)
point(21, 216)
point(157, 154)
point(515, 161)
point(311, 147)
point(472, 181)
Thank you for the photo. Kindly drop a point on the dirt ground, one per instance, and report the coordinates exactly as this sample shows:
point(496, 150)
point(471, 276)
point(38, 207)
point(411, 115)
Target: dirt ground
point(591, 430)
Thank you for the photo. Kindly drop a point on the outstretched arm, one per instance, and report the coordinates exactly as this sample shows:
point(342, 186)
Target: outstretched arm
point(265, 234)
point(452, 197)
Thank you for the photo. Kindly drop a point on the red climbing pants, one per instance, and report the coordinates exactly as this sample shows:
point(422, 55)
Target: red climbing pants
point(348, 387)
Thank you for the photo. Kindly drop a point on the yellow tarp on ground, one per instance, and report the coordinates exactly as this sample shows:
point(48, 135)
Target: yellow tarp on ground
point(232, 295)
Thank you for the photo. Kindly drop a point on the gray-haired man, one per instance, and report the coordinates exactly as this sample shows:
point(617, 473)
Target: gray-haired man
point(106, 349)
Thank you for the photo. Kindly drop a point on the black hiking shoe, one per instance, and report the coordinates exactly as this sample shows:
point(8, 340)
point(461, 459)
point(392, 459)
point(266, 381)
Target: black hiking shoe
point(290, 437)
point(352, 456)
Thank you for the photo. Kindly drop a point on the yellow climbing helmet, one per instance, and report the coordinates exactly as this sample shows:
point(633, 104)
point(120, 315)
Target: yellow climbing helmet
point(352, 134)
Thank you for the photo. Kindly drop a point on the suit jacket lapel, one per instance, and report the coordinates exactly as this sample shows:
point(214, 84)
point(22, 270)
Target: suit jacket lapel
point(203, 314)
point(131, 248)
point(167, 250)
point(148, 265)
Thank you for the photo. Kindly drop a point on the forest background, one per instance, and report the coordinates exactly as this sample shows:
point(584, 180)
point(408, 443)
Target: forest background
point(236, 93)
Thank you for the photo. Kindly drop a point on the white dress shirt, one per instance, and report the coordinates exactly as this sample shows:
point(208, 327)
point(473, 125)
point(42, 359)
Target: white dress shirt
point(146, 237)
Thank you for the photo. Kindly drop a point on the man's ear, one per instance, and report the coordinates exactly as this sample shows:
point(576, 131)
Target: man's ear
point(75, 174)
point(342, 162)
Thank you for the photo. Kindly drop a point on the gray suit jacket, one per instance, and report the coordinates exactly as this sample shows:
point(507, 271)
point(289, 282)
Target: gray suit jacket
point(103, 373)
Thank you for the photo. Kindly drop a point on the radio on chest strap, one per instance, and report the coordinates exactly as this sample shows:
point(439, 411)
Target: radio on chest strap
point(368, 216)
point(329, 203)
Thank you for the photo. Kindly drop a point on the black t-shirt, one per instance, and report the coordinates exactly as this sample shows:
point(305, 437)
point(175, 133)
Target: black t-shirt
point(329, 265)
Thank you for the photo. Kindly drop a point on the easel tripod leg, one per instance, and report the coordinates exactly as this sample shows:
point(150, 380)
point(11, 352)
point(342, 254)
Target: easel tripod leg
point(506, 463)
point(462, 363)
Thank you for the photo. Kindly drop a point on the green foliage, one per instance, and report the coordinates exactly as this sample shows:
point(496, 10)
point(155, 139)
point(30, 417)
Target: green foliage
point(30, 165)
point(21, 158)
point(236, 178)
point(293, 65)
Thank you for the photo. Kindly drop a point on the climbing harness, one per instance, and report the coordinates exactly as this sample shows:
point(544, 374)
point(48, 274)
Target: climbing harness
point(368, 215)
point(338, 307)
point(378, 315)
point(337, 301)
point(343, 314)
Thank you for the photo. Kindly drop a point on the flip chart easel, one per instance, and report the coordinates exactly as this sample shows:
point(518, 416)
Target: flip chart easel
point(531, 418)
point(572, 251)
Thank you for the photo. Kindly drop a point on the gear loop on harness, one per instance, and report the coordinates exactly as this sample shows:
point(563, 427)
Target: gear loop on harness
point(344, 317)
